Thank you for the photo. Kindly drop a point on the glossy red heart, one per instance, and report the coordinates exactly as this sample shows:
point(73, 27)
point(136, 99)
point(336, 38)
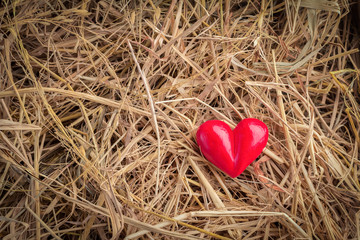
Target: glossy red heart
point(232, 151)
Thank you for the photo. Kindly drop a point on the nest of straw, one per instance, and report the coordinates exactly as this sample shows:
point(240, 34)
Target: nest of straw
point(100, 102)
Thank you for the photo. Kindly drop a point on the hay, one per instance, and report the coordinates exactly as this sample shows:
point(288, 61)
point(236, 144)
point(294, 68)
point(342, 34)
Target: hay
point(100, 103)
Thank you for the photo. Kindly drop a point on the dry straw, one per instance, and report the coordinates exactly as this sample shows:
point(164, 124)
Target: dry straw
point(100, 102)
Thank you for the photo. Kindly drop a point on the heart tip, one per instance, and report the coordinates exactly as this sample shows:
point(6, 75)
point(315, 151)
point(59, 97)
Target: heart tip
point(236, 175)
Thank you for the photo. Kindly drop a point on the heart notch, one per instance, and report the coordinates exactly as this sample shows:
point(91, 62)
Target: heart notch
point(232, 151)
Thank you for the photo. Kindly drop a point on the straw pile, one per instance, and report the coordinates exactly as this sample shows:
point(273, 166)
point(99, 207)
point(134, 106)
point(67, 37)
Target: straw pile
point(100, 103)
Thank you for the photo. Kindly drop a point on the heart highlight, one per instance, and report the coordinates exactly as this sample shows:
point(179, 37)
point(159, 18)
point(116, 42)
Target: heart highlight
point(232, 150)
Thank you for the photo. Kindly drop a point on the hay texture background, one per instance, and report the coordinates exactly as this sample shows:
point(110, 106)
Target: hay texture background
point(100, 102)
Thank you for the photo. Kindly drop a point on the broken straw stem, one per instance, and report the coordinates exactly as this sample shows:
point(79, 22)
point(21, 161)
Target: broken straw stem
point(152, 107)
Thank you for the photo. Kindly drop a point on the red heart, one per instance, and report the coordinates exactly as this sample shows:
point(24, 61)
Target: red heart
point(232, 151)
